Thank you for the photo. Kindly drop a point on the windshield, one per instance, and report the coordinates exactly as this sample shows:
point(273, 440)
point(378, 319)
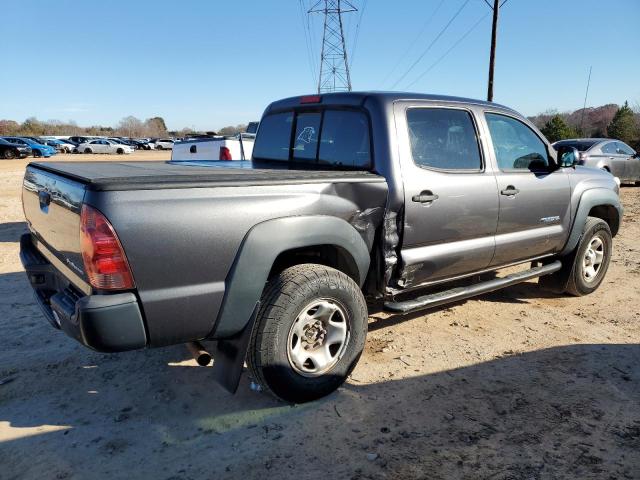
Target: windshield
point(319, 138)
point(580, 145)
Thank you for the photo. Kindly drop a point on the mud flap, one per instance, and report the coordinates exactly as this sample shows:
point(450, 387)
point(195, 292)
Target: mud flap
point(230, 354)
point(557, 282)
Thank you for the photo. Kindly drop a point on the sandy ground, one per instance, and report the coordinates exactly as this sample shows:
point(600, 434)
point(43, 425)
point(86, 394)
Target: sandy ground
point(519, 384)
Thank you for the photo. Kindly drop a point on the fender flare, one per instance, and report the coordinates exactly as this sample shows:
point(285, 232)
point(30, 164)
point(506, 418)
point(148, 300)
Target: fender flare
point(591, 198)
point(260, 248)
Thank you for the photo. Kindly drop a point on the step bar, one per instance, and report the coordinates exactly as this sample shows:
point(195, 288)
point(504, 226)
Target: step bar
point(462, 293)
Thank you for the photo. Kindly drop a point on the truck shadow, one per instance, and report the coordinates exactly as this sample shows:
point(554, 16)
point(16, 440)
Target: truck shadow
point(564, 412)
point(11, 231)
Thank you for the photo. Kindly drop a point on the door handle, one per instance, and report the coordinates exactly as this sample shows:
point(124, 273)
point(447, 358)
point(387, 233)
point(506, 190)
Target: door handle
point(510, 191)
point(425, 197)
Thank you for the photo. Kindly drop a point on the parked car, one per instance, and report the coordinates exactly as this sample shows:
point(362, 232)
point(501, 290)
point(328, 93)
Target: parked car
point(80, 139)
point(123, 141)
point(59, 145)
point(38, 149)
point(607, 154)
point(10, 150)
point(140, 144)
point(396, 199)
point(104, 146)
point(236, 147)
point(163, 144)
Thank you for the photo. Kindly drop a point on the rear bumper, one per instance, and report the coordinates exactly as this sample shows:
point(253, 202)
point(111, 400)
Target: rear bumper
point(106, 323)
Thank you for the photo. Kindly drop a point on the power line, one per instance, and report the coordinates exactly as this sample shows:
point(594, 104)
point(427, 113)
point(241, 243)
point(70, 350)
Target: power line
point(307, 41)
point(442, 57)
point(355, 41)
point(413, 43)
point(444, 29)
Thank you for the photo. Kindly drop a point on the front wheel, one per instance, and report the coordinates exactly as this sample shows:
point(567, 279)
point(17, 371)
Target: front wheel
point(309, 334)
point(592, 258)
point(9, 154)
point(87, 150)
point(159, 147)
point(37, 153)
point(120, 151)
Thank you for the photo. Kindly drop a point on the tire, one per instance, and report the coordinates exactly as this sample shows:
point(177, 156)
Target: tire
point(596, 237)
point(120, 151)
point(37, 153)
point(276, 352)
point(9, 154)
point(159, 147)
point(88, 150)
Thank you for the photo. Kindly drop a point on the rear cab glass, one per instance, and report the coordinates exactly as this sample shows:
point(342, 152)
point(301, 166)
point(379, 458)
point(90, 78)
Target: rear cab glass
point(321, 138)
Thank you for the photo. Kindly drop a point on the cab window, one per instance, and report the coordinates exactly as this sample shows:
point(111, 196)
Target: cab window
point(443, 139)
point(515, 145)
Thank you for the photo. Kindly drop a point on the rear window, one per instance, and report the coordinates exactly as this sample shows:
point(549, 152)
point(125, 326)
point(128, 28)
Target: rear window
point(329, 138)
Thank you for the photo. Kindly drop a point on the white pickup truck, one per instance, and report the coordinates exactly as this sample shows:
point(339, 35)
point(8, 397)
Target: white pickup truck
point(217, 147)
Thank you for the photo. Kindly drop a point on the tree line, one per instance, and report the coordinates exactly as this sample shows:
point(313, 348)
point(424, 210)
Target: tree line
point(606, 121)
point(130, 126)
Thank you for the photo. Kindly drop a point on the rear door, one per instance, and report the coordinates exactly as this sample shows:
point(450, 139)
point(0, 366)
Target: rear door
point(451, 198)
point(614, 159)
point(534, 197)
point(631, 163)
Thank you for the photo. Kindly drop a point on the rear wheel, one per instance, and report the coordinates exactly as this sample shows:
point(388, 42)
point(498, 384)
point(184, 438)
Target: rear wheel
point(87, 150)
point(309, 334)
point(120, 151)
point(159, 147)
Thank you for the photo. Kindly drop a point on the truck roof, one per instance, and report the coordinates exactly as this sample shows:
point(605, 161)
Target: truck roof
point(358, 98)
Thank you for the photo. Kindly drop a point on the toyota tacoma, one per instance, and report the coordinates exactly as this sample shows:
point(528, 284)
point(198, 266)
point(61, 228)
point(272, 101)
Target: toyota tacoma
point(407, 201)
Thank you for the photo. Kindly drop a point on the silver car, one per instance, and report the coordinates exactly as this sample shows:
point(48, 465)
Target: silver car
point(614, 156)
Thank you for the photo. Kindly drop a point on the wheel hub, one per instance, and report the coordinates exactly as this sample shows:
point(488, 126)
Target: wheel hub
point(318, 338)
point(593, 258)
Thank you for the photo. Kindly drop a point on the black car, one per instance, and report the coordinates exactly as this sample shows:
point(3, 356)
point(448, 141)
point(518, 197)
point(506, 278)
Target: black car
point(11, 150)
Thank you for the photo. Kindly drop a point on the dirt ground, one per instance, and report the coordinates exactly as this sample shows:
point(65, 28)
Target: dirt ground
point(519, 384)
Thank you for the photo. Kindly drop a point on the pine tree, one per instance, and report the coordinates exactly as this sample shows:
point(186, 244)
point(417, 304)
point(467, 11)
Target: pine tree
point(623, 126)
point(557, 129)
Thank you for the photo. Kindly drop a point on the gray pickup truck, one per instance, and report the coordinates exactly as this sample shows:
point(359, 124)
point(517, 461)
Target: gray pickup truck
point(351, 200)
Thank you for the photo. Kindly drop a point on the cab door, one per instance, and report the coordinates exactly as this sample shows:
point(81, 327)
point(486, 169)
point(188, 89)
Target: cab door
point(535, 207)
point(450, 194)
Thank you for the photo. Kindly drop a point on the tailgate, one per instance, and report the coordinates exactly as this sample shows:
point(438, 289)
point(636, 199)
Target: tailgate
point(52, 206)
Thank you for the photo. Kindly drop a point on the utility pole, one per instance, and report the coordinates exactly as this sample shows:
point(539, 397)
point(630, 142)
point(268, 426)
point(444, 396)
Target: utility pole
point(334, 67)
point(492, 57)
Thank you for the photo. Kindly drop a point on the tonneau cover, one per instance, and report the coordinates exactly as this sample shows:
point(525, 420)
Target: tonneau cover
point(103, 176)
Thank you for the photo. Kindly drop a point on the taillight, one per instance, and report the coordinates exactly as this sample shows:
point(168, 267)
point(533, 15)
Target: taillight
point(104, 260)
point(310, 99)
point(225, 154)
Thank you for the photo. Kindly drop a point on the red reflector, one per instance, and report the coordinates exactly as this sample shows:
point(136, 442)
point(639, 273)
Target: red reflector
point(311, 99)
point(225, 154)
point(104, 260)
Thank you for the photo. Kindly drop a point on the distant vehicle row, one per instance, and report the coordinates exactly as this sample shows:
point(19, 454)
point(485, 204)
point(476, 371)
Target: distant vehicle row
point(21, 147)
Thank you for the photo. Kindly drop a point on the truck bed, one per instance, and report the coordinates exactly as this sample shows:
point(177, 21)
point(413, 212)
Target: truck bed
point(105, 176)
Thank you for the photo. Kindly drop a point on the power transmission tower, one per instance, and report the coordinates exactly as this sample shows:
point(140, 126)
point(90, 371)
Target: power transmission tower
point(334, 67)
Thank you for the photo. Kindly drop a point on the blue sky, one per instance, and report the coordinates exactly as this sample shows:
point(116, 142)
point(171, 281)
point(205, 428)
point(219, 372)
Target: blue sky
point(206, 64)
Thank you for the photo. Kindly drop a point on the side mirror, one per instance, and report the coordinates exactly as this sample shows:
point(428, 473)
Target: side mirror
point(568, 156)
